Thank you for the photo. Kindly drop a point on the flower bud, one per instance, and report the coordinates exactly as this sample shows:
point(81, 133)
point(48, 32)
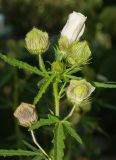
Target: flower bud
point(63, 43)
point(26, 114)
point(79, 54)
point(74, 27)
point(78, 91)
point(58, 67)
point(37, 41)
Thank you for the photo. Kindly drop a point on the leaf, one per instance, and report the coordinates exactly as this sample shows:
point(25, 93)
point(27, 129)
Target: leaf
point(43, 89)
point(69, 128)
point(62, 90)
point(18, 152)
point(43, 122)
point(40, 158)
point(31, 147)
point(100, 130)
point(21, 65)
point(75, 70)
point(105, 85)
point(58, 140)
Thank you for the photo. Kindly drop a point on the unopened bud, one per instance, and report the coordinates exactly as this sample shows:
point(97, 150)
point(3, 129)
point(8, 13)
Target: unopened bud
point(37, 41)
point(78, 91)
point(79, 54)
point(74, 27)
point(26, 114)
point(58, 67)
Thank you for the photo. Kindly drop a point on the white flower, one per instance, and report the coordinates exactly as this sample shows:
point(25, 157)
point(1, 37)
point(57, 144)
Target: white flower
point(74, 27)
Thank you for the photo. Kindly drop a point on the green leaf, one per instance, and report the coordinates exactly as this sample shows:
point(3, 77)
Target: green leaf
point(43, 122)
point(58, 140)
point(43, 89)
point(40, 155)
point(69, 128)
point(31, 147)
point(105, 85)
point(21, 65)
point(40, 158)
point(18, 152)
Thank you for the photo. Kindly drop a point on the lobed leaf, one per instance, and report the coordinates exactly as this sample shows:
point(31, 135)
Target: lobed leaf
point(43, 89)
point(44, 122)
point(69, 128)
point(18, 152)
point(21, 65)
point(59, 145)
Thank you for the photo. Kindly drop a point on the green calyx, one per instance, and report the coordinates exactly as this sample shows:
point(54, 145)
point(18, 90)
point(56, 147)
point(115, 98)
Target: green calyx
point(37, 41)
point(79, 54)
point(76, 53)
point(58, 67)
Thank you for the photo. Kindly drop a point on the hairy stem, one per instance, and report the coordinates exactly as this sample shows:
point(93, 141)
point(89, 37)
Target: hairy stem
point(37, 144)
point(42, 65)
point(56, 98)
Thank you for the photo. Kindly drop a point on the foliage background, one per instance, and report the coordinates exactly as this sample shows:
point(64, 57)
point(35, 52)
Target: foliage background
point(96, 126)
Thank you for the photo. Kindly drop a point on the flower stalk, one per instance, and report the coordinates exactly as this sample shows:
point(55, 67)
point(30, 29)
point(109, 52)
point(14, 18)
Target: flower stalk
point(70, 113)
point(37, 144)
point(41, 64)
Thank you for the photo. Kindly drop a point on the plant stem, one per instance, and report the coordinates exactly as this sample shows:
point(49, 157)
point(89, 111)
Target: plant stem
point(56, 98)
point(71, 112)
point(42, 65)
point(37, 144)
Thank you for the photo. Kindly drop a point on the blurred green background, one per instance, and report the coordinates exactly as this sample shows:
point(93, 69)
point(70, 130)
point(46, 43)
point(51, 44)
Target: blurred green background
point(97, 122)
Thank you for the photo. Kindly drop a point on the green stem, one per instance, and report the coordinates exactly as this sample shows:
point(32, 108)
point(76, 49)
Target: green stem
point(71, 112)
point(42, 65)
point(37, 144)
point(56, 98)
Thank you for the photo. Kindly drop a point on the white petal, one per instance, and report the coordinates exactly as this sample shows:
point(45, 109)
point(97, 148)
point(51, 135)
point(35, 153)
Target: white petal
point(74, 27)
